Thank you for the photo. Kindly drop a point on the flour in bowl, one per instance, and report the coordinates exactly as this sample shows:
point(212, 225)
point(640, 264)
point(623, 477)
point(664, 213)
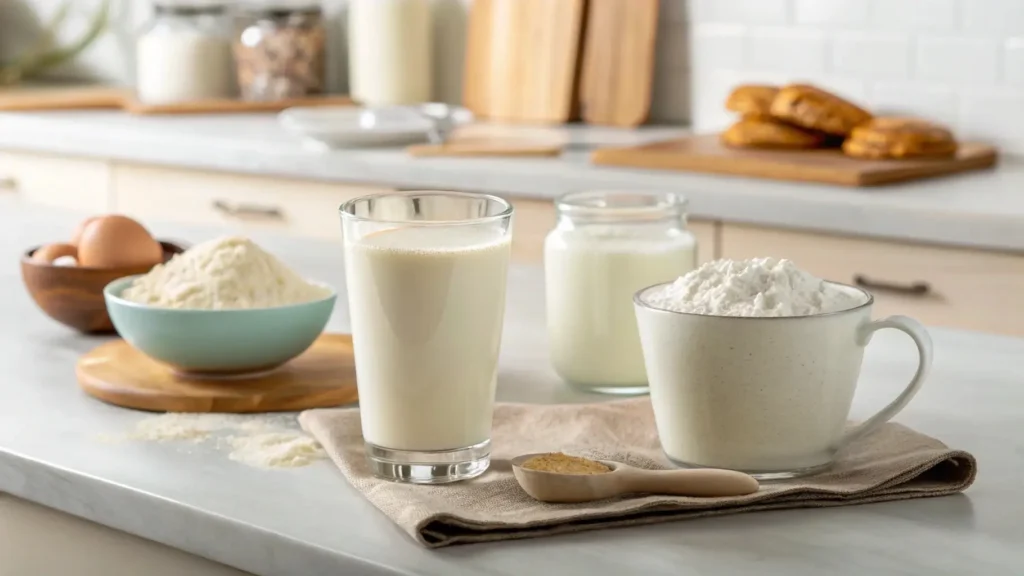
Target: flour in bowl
point(231, 272)
point(755, 287)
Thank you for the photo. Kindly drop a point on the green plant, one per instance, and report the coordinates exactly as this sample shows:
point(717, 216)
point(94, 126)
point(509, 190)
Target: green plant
point(45, 55)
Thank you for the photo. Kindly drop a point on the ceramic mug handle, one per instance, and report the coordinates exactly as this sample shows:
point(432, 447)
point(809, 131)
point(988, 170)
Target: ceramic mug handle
point(916, 331)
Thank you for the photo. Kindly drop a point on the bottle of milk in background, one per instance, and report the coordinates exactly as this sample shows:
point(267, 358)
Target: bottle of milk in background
point(390, 58)
point(604, 247)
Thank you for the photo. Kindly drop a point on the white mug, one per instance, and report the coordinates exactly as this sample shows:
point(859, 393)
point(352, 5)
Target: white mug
point(769, 396)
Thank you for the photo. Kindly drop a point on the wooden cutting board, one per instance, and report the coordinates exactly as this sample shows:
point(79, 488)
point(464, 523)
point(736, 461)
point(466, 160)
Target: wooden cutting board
point(830, 166)
point(486, 146)
point(226, 106)
point(323, 376)
point(61, 98)
point(522, 59)
point(618, 61)
point(99, 97)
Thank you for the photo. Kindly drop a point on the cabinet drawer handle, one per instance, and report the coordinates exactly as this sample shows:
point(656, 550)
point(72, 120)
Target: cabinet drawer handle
point(8, 183)
point(912, 289)
point(248, 211)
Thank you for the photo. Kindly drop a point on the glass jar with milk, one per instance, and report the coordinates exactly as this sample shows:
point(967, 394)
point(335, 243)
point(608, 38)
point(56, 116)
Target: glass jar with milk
point(184, 53)
point(605, 247)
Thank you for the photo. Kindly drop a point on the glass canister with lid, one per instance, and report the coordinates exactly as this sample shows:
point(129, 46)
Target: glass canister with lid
point(280, 50)
point(606, 246)
point(184, 53)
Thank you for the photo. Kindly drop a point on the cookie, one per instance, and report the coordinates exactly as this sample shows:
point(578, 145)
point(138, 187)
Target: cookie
point(815, 109)
point(896, 137)
point(763, 133)
point(751, 100)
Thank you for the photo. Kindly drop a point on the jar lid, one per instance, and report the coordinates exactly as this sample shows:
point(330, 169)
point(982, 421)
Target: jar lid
point(280, 8)
point(618, 206)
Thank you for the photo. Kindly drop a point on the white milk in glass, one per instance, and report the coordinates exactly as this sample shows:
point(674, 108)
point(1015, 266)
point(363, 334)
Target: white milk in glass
point(427, 305)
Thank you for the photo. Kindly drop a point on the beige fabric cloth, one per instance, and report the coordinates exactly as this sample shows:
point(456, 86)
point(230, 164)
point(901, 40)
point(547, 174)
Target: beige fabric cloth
point(893, 463)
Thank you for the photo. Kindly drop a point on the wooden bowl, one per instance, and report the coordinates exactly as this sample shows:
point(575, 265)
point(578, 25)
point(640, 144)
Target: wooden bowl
point(72, 295)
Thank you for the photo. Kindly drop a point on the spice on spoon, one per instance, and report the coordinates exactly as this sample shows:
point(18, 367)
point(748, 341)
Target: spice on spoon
point(564, 464)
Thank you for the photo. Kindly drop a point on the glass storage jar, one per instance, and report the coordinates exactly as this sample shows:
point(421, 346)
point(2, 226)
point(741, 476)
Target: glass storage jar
point(279, 50)
point(605, 246)
point(184, 53)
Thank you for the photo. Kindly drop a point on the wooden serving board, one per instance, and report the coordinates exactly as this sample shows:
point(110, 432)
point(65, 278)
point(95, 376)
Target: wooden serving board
point(485, 146)
point(228, 106)
point(618, 61)
point(323, 376)
point(521, 59)
point(829, 166)
point(96, 97)
point(23, 98)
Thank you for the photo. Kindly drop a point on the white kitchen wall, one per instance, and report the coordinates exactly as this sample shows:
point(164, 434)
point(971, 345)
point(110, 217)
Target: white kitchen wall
point(957, 61)
point(112, 58)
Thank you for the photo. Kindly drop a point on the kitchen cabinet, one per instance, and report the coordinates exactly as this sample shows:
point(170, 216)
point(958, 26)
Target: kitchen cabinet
point(30, 533)
point(74, 183)
point(939, 286)
point(303, 208)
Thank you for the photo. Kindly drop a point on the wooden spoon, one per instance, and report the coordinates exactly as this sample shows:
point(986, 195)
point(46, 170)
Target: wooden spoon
point(626, 479)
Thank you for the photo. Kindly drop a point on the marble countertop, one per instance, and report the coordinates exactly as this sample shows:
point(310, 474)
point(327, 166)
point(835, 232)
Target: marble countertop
point(980, 209)
point(309, 521)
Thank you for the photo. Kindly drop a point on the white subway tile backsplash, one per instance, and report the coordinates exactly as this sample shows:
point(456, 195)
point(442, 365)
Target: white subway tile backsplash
point(719, 46)
point(912, 15)
point(939, 103)
point(740, 11)
point(994, 116)
point(871, 54)
point(993, 16)
point(1013, 62)
point(849, 13)
point(958, 60)
point(792, 50)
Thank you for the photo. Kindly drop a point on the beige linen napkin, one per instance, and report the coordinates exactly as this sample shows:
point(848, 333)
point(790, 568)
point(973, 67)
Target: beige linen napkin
point(894, 463)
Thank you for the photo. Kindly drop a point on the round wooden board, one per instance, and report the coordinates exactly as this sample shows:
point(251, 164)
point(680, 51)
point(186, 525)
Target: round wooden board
point(323, 376)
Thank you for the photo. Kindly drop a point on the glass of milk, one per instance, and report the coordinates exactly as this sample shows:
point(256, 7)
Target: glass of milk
point(605, 247)
point(426, 274)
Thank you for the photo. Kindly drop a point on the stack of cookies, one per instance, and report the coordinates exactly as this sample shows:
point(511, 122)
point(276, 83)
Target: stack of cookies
point(800, 116)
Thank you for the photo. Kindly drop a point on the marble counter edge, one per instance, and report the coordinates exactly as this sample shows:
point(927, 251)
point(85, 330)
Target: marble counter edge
point(172, 523)
point(743, 203)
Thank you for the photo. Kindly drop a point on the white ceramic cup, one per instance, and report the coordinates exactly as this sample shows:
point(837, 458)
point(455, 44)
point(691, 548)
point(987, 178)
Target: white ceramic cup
point(767, 396)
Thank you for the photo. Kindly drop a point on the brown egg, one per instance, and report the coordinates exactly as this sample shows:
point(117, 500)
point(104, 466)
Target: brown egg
point(116, 242)
point(51, 252)
point(76, 236)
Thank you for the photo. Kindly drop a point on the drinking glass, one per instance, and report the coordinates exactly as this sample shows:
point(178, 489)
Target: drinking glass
point(426, 273)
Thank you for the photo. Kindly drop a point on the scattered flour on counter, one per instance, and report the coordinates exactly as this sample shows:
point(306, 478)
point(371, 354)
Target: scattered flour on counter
point(180, 426)
point(276, 450)
point(231, 272)
point(260, 441)
point(756, 287)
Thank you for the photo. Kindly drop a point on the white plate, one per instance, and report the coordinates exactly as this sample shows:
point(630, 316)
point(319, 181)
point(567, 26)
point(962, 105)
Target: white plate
point(347, 127)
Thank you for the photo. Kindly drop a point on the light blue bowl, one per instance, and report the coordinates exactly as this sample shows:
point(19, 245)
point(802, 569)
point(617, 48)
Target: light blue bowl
point(217, 341)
